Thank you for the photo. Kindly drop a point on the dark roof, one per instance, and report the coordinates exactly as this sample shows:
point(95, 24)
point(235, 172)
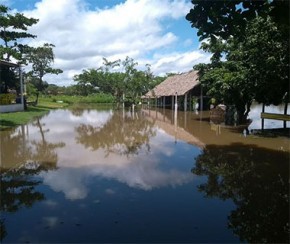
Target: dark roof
point(6, 63)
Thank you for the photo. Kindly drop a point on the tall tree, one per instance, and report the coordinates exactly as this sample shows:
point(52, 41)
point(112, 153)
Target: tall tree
point(42, 59)
point(225, 19)
point(255, 68)
point(13, 29)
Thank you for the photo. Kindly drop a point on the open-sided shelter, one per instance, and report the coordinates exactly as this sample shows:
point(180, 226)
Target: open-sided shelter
point(179, 89)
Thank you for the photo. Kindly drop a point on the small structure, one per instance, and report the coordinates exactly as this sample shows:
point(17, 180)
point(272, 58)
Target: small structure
point(217, 114)
point(178, 89)
point(13, 107)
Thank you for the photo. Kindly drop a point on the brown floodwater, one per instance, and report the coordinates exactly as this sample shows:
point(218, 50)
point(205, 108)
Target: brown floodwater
point(149, 175)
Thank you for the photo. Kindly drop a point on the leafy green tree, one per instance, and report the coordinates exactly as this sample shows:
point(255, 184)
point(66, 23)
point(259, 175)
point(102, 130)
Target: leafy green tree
point(42, 59)
point(265, 55)
point(255, 68)
point(13, 29)
point(122, 79)
point(225, 19)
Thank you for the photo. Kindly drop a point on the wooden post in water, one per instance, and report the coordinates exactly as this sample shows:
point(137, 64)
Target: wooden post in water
point(185, 102)
point(263, 110)
point(285, 113)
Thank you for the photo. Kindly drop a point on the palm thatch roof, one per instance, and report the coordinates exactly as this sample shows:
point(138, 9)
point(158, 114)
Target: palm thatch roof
point(175, 85)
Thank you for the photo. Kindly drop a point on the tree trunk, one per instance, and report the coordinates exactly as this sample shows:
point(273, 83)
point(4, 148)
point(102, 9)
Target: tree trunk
point(242, 113)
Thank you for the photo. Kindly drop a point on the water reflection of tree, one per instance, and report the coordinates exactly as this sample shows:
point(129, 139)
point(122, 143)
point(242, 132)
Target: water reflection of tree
point(18, 188)
point(256, 179)
point(123, 134)
point(17, 149)
point(20, 162)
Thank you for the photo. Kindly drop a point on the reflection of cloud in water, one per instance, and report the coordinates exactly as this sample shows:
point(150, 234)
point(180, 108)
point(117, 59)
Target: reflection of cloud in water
point(50, 203)
point(68, 181)
point(144, 170)
point(96, 118)
point(141, 171)
point(50, 221)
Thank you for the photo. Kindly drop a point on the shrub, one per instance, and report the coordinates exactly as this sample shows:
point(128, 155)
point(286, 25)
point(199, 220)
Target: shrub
point(6, 99)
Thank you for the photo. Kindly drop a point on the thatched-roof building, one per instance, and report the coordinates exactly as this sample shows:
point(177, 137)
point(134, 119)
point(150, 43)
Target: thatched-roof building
point(178, 89)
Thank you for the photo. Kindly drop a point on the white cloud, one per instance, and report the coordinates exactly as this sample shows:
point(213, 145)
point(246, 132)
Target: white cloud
point(135, 28)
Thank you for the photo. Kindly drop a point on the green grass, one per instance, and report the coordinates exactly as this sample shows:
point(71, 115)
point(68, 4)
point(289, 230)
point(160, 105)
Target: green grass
point(94, 98)
point(8, 120)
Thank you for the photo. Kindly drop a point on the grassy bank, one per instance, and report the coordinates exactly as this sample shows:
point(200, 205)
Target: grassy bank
point(8, 120)
point(94, 98)
point(46, 103)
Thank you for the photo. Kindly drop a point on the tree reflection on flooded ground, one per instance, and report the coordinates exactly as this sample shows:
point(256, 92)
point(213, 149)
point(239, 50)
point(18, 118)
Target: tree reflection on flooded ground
point(100, 175)
point(256, 179)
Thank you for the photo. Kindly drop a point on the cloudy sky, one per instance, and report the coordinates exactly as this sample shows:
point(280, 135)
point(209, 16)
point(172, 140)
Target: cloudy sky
point(151, 32)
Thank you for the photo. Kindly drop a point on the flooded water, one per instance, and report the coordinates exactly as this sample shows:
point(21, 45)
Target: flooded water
point(100, 175)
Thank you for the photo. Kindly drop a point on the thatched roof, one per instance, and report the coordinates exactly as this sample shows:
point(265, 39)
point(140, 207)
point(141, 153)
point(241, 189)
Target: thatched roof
point(175, 85)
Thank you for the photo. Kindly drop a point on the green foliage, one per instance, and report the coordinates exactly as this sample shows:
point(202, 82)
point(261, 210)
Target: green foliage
point(224, 19)
point(255, 42)
point(92, 98)
point(266, 60)
point(41, 59)
point(13, 27)
point(9, 120)
point(7, 98)
point(119, 78)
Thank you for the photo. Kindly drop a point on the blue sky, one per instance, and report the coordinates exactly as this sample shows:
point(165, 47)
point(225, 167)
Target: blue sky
point(151, 32)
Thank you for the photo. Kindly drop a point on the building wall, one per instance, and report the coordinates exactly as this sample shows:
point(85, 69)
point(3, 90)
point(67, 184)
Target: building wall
point(11, 108)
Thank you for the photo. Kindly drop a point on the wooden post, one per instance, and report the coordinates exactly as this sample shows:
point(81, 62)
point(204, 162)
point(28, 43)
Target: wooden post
point(185, 102)
point(285, 113)
point(190, 102)
point(21, 86)
point(263, 110)
point(201, 99)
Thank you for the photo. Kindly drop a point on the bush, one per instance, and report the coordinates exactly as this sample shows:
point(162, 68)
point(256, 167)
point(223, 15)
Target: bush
point(6, 99)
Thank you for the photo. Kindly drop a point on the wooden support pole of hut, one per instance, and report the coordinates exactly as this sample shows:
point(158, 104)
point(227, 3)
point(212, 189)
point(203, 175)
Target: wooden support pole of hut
point(285, 113)
point(201, 98)
point(185, 102)
point(21, 86)
point(176, 102)
point(263, 111)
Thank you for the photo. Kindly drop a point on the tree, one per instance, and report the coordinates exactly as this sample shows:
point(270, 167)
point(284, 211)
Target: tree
point(255, 68)
point(91, 81)
point(42, 59)
point(13, 28)
point(120, 78)
point(224, 19)
point(267, 61)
